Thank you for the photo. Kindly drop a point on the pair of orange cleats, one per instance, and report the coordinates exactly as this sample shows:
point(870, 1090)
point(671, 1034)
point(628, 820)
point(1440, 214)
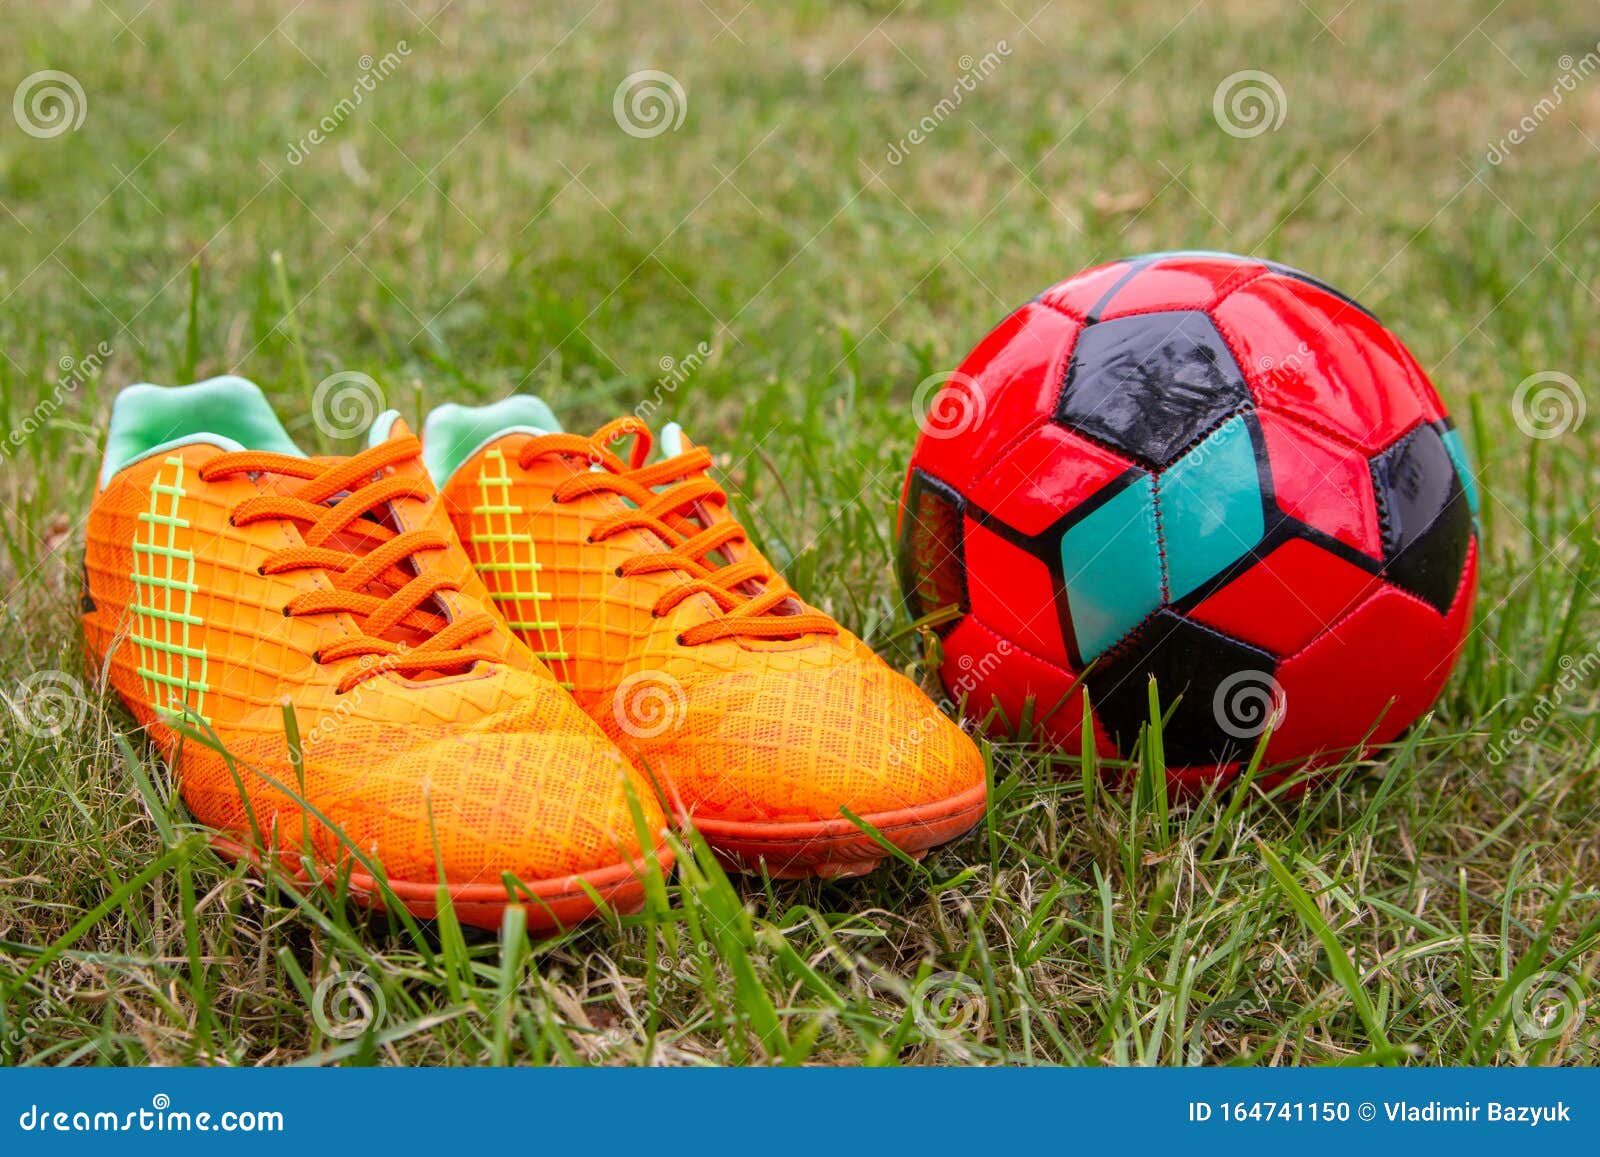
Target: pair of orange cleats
point(491, 661)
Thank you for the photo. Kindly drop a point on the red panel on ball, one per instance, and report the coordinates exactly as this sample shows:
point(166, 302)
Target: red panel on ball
point(1323, 483)
point(1043, 477)
point(1079, 295)
point(1308, 354)
point(1394, 647)
point(1005, 385)
point(1428, 396)
point(1189, 282)
point(990, 669)
point(1010, 590)
point(1459, 621)
point(1287, 599)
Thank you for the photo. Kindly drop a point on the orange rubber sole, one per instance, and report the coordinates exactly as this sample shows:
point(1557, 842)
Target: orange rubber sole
point(832, 848)
point(550, 905)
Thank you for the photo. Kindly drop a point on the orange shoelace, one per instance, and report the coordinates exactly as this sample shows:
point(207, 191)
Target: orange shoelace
point(677, 503)
point(358, 553)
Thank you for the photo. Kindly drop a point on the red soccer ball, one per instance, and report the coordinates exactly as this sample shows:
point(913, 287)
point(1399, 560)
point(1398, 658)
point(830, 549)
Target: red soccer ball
point(1209, 469)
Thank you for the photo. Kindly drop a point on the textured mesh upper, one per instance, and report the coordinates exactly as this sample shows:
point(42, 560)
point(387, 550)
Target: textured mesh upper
point(485, 771)
point(743, 729)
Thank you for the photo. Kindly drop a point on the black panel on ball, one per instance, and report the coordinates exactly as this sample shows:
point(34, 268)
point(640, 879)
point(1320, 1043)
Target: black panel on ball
point(1187, 660)
point(1425, 516)
point(1151, 385)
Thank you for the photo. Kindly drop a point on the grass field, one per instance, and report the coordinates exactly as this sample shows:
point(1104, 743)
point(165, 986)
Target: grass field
point(480, 221)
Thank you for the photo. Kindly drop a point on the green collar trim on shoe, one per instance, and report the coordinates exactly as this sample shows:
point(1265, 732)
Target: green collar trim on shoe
point(228, 411)
point(451, 434)
point(671, 440)
point(381, 427)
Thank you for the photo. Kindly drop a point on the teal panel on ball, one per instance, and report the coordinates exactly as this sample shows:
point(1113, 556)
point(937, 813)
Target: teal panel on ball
point(1112, 564)
point(1210, 508)
point(1457, 449)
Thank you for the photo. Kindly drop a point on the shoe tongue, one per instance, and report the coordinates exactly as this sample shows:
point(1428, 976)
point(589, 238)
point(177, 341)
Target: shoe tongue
point(387, 427)
point(451, 434)
point(674, 441)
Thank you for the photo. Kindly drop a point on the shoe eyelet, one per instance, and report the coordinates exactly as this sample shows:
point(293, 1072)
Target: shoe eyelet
point(287, 612)
point(316, 657)
point(680, 642)
point(618, 572)
point(589, 540)
point(261, 569)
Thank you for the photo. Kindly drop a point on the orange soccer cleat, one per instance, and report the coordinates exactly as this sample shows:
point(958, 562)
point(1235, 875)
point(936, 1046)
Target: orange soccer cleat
point(770, 724)
point(227, 575)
